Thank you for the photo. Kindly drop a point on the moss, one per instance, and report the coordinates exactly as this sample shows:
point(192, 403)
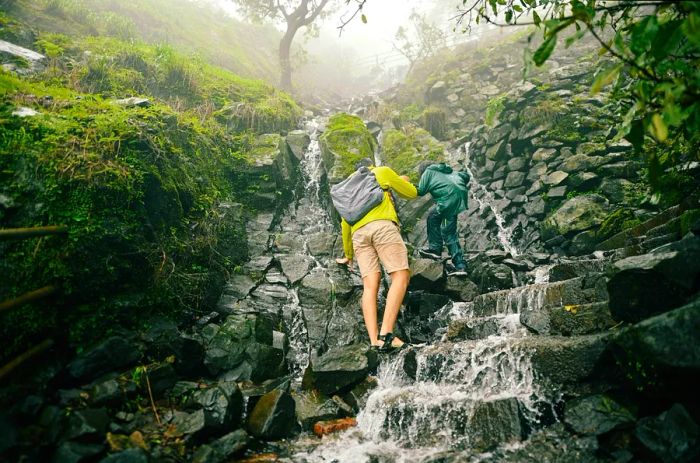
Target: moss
point(688, 219)
point(405, 149)
point(494, 108)
point(346, 141)
point(434, 121)
point(615, 222)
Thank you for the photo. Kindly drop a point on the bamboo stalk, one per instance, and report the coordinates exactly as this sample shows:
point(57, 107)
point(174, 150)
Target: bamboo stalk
point(23, 357)
point(22, 233)
point(27, 298)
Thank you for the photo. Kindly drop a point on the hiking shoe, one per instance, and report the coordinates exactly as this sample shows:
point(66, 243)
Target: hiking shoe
point(458, 272)
point(430, 254)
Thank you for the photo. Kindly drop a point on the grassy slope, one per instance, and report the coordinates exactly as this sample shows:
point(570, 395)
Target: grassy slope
point(245, 49)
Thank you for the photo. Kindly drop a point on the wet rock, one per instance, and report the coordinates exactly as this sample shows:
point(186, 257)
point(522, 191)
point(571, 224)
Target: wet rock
point(617, 190)
point(107, 392)
point(222, 403)
point(424, 304)
point(273, 416)
point(357, 397)
point(583, 243)
point(566, 360)
point(578, 319)
point(86, 422)
point(312, 407)
point(673, 436)
point(426, 273)
point(468, 329)
point(668, 340)
point(342, 367)
point(127, 456)
point(75, 452)
point(461, 288)
point(495, 422)
point(295, 266)
point(316, 289)
point(161, 378)
point(652, 283)
point(239, 286)
point(189, 423)
point(575, 215)
point(298, 141)
point(323, 428)
point(112, 354)
point(222, 449)
point(595, 415)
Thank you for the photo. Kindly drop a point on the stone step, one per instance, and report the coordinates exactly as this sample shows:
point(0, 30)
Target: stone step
point(568, 320)
point(508, 365)
point(446, 417)
point(580, 290)
point(466, 329)
point(652, 243)
point(672, 226)
point(576, 268)
point(626, 237)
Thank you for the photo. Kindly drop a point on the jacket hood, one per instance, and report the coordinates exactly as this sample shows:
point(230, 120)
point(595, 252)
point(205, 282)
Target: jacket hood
point(444, 168)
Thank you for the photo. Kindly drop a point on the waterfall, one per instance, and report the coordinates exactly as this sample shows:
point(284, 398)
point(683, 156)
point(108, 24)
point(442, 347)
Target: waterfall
point(486, 200)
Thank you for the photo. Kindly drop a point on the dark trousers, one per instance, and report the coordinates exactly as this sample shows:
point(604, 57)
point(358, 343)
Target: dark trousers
point(443, 231)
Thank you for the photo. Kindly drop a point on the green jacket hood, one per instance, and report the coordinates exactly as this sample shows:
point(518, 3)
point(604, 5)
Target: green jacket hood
point(442, 167)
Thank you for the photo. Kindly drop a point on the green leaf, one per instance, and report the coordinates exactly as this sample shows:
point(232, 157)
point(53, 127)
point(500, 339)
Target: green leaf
point(536, 18)
point(605, 78)
point(658, 127)
point(518, 8)
point(364, 18)
point(509, 16)
point(545, 50)
point(691, 28)
point(493, 6)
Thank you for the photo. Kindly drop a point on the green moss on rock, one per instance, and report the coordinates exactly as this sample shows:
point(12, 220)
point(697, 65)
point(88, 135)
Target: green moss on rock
point(405, 149)
point(616, 221)
point(345, 141)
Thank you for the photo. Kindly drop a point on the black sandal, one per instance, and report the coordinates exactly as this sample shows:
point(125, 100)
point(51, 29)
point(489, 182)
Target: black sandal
point(387, 346)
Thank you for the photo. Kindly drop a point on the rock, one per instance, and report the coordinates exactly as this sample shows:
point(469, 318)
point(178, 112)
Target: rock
point(75, 452)
point(134, 102)
point(315, 289)
point(295, 266)
point(112, 354)
point(581, 162)
point(514, 179)
point(222, 449)
point(495, 422)
point(673, 436)
point(239, 286)
point(312, 407)
point(467, 329)
point(583, 181)
point(583, 243)
point(616, 190)
point(127, 456)
point(298, 141)
point(555, 178)
point(161, 377)
point(667, 341)
point(222, 403)
point(357, 397)
point(516, 164)
point(535, 208)
point(437, 91)
point(323, 428)
point(461, 289)
point(534, 188)
point(189, 423)
point(656, 282)
point(86, 422)
point(623, 169)
point(426, 273)
point(596, 415)
point(575, 215)
point(341, 367)
point(273, 417)
point(496, 151)
point(544, 155)
point(588, 148)
point(557, 192)
point(23, 111)
point(107, 392)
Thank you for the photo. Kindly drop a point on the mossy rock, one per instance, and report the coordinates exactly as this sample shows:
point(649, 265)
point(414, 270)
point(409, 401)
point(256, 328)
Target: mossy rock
point(688, 219)
point(616, 221)
point(434, 121)
point(405, 149)
point(345, 141)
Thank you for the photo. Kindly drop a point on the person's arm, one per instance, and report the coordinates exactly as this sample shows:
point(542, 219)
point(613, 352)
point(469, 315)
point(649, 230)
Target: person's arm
point(424, 183)
point(347, 239)
point(391, 179)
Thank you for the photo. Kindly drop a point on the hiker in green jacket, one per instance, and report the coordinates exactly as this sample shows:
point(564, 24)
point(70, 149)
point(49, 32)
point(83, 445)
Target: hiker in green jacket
point(449, 189)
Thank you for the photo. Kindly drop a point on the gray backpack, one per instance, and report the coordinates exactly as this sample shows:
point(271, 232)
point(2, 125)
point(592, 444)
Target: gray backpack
point(358, 194)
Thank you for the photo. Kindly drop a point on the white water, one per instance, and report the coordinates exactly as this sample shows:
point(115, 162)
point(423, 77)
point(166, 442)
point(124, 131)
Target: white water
point(486, 200)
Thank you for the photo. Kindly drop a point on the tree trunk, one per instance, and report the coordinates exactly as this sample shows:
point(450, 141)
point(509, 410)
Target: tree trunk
point(285, 61)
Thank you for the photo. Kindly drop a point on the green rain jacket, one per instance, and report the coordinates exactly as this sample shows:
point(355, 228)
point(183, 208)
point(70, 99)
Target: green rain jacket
point(448, 188)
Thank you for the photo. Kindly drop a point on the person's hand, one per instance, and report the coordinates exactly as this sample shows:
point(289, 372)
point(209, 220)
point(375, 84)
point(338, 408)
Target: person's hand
point(345, 261)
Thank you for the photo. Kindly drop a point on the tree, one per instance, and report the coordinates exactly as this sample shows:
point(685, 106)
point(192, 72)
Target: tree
point(295, 14)
point(424, 41)
point(655, 70)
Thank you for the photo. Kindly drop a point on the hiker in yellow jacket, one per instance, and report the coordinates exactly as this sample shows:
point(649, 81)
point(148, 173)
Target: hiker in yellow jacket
point(376, 238)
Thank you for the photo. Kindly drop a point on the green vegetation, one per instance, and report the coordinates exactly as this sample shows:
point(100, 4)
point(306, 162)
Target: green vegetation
point(434, 121)
point(618, 220)
point(139, 187)
point(347, 140)
point(494, 108)
point(405, 149)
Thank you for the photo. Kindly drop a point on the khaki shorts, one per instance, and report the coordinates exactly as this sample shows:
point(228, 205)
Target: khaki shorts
point(379, 240)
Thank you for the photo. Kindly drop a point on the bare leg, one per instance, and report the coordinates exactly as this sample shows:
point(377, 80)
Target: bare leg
point(394, 298)
point(370, 289)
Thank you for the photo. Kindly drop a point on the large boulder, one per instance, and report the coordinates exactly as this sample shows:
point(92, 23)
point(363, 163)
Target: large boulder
point(575, 215)
point(345, 141)
point(222, 403)
point(298, 141)
point(111, 354)
point(426, 273)
point(673, 436)
point(341, 367)
point(652, 283)
point(273, 416)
